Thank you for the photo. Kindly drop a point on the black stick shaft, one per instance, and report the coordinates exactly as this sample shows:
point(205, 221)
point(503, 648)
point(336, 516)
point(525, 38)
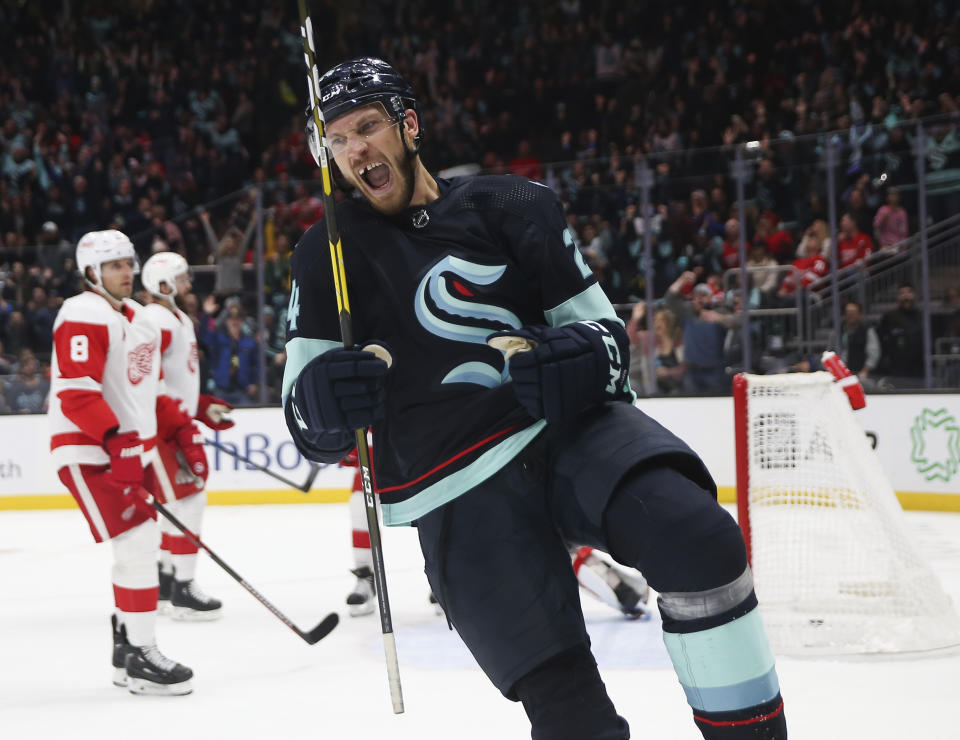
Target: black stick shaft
point(239, 579)
point(305, 486)
point(346, 332)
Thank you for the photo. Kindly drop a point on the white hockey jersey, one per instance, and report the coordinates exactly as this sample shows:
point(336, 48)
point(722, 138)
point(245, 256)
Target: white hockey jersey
point(178, 348)
point(105, 370)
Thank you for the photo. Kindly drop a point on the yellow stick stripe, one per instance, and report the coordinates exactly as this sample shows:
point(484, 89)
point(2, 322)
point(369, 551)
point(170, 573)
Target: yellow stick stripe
point(325, 171)
point(336, 277)
point(343, 277)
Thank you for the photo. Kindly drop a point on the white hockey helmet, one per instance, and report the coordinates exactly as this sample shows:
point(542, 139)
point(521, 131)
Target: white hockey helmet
point(163, 267)
point(97, 247)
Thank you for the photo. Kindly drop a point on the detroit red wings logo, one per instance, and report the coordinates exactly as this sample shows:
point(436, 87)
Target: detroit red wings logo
point(140, 361)
point(193, 359)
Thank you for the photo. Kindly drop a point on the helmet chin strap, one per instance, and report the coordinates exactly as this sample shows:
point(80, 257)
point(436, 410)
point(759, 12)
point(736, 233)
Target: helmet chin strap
point(117, 303)
point(411, 155)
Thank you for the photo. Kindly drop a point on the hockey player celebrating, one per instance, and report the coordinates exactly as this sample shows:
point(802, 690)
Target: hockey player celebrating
point(104, 377)
point(183, 470)
point(499, 462)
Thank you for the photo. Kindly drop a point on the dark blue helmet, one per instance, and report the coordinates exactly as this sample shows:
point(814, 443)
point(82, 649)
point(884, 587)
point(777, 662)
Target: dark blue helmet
point(361, 81)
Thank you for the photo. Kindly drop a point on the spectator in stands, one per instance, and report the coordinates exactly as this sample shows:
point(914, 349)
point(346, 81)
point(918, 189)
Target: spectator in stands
point(307, 209)
point(805, 270)
point(525, 163)
point(730, 251)
point(7, 363)
point(853, 246)
point(778, 240)
point(17, 335)
point(859, 207)
point(818, 231)
point(233, 360)
point(859, 345)
point(668, 341)
point(764, 275)
point(229, 251)
point(277, 272)
point(890, 224)
point(901, 341)
point(26, 392)
point(704, 331)
point(52, 249)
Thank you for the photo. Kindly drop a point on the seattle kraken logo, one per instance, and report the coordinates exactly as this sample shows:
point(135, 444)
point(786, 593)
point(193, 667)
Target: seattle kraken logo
point(439, 284)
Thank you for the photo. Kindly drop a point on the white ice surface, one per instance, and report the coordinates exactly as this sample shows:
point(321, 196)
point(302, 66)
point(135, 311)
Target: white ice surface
point(256, 679)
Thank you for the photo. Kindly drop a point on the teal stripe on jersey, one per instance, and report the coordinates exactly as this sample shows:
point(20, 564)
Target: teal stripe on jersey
point(591, 303)
point(727, 667)
point(300, 350)
point(455, 484)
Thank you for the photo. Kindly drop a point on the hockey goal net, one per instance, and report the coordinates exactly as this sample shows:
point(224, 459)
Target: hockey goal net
point(834, 564)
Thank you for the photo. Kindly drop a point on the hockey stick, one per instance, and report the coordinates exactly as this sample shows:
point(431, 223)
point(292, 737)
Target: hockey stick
point(313, 636)
point(305, 486)
point(323, 156)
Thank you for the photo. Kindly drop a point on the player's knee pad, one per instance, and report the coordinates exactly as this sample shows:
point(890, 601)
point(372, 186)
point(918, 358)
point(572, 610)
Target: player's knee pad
point(565, 699)
point(135, 556)
point(673, 531)
point(719, 649)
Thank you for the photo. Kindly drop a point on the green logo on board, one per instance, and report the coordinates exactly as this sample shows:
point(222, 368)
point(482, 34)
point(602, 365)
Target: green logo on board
point(936, 444)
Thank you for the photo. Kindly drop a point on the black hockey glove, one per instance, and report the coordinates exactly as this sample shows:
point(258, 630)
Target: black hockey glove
point(569, 368)
point(337, 392)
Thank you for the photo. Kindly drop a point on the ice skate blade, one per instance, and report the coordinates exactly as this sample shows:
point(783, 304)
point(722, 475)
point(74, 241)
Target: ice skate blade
point(142, 687)
point(186, 614)
point(120, 677)
point(163, 608)
point(361, 610)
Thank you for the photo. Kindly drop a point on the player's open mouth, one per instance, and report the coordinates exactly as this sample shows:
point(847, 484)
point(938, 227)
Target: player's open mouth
point(376, 175)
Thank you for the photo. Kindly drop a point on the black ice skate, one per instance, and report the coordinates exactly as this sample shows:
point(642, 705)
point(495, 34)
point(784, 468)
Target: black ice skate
point(121, 648)
point(361, 599)
point(165, 592)
point(150, 672)
point(190, 604)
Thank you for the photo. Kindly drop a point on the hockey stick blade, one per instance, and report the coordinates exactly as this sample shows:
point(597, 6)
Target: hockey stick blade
point(321, 630)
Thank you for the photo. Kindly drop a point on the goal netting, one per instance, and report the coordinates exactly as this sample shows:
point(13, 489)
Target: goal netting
point(834, 564)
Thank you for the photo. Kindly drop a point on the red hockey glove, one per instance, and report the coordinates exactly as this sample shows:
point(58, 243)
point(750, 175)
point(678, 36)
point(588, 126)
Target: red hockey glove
point(212, 412)
point(125, 449)
point(847, 380)
point(190, 441)
point(136, 498)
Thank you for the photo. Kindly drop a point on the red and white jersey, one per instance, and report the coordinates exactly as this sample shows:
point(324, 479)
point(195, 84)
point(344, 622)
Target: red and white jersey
point(857, 247)
point(105, 371)
point(180, 378)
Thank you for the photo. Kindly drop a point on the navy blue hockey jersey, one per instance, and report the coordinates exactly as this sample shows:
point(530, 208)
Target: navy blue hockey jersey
point(491, 253)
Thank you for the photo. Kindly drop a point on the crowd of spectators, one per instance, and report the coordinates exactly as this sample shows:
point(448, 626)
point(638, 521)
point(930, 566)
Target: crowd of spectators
point(108, 118)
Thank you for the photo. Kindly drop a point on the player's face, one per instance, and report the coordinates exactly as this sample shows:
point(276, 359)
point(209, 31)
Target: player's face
point(182, 283)
point(369, 151)
point(117, 278)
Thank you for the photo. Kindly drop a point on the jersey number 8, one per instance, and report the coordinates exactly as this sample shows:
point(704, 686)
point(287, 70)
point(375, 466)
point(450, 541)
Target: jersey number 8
point(79, 348)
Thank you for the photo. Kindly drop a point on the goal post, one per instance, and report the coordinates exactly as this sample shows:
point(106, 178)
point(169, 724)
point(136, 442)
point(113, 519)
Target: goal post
point(835, 566)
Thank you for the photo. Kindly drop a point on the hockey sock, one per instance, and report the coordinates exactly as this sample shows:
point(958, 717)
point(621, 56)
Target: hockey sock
point(720, 652)
point(692, 552)
point(181, 551)
point(565, 699)
point(134, 578)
